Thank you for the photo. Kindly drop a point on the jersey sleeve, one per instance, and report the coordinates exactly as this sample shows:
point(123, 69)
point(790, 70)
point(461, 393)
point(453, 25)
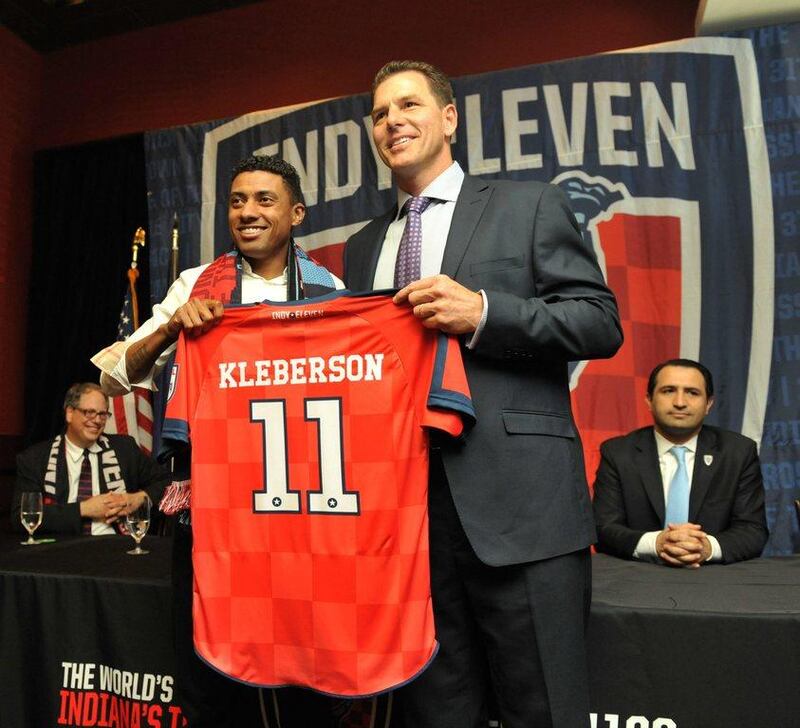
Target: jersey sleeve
point(175, 431)
point(449, 403)
point(433, 364)
point(192, 355)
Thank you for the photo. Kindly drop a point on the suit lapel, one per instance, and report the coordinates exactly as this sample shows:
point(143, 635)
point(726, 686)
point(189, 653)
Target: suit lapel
point(703, 472)
point(472, 199)
point(366, 274)
point(648, 468)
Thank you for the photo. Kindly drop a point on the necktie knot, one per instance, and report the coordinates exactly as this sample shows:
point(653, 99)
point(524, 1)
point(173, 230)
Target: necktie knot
point(417, 205)
point(679, 451)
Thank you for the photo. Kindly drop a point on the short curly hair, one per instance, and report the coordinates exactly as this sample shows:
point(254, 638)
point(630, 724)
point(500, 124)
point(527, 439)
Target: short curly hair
point(275, 165)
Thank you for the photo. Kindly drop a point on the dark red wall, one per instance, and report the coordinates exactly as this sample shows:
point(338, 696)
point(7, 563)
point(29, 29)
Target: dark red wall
point(276, 53)
point(21, 73)
point(261, 56)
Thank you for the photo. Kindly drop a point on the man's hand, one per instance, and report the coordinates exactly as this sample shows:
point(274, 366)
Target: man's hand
point(133, 501)
point(106, 507)
point(194, 317)
point(683, 544)
point(441, 303)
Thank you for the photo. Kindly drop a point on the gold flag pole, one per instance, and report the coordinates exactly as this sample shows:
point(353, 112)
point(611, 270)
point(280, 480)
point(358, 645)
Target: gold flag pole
point(133, 274)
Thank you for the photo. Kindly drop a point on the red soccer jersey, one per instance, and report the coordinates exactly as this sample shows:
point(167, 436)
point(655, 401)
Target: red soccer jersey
point(307, 423)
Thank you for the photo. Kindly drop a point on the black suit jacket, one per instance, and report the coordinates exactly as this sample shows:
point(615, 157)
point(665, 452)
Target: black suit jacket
point(727, 496)
point(139, 472)
point(518, 480)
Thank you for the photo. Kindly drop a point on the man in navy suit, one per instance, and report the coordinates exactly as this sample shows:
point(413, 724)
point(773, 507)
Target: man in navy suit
point(638, 481)
point(503, 265)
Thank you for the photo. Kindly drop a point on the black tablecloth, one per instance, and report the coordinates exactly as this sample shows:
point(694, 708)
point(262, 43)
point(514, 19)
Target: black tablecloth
point(712, 647)
point(86, 633)
point(98, 557)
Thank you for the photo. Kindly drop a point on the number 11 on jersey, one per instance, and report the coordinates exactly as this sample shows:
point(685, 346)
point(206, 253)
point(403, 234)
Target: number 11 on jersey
point(276, 496)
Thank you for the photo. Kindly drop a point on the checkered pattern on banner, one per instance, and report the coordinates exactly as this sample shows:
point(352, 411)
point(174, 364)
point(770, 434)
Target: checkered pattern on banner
point(643, 266)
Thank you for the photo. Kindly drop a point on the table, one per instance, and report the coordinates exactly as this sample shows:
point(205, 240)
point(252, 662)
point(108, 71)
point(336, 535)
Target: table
point(86, 639)
point(714, 647)
point(86, 634)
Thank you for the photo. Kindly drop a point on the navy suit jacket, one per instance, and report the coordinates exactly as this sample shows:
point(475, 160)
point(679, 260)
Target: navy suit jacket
point(726, 499)
point(517, 480)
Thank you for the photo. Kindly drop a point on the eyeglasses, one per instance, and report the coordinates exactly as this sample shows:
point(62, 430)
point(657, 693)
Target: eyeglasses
point(90, 414)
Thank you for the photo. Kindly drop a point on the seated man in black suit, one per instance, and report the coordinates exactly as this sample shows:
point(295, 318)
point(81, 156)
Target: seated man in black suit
point(680, 493)
point(88, 480)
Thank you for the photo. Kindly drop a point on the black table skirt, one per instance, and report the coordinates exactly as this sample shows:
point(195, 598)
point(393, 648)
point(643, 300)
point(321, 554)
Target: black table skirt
point(715, 647)
point(86, 634)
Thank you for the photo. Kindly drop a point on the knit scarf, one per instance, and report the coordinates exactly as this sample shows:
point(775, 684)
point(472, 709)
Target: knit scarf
point(222, 280)
point(56, 482)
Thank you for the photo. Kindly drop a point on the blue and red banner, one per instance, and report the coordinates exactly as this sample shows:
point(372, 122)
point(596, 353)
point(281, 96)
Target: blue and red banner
point(680, 161)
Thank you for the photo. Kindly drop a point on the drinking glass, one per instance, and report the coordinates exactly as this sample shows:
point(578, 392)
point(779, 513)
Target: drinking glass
point(31, 514)
point(138, 521)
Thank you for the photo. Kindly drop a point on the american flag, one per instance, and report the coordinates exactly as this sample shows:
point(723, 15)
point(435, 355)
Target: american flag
point(132, 413)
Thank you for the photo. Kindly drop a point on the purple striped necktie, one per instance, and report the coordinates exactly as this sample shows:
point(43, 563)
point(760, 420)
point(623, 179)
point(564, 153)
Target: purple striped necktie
point(85, 488)
point(409, 254)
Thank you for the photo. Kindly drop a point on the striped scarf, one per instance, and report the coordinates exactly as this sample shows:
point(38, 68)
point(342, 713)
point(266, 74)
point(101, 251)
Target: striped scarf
point(222, 280)
point(56, 482)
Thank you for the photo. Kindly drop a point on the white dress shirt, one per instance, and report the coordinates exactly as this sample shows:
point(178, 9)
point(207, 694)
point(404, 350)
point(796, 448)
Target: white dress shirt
point(74, 456)
point(435, 221)
point(668, 463)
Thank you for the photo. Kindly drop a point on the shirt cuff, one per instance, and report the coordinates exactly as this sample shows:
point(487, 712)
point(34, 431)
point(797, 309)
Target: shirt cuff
point(111, 362)
point(473, 342)
point(120, 374)
point(646, 548)
point(716, 549)
point(111, 386)
point(114, 379)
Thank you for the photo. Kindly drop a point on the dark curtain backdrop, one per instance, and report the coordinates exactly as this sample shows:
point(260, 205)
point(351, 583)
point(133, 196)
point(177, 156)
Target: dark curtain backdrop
point(88, 202)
